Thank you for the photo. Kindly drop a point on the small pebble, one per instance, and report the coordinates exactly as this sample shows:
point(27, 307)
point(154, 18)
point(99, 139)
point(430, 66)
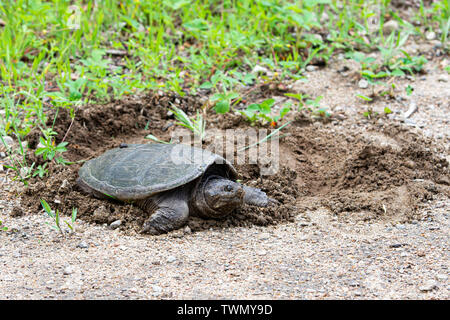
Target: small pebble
point(115, 224)
point(264, 236)
point(157, 290)
point(68, 270)
point(259, 69)
point(261, 252)
point(171, 259)
point(443, 78)
point(187, 230)
point(430, 35)
point(428, 286)
point(353, 284)
point(363, 84)
point(8, 140)
point(442, 277)
point(82, 245)
point(412, 108)
point(64, 184)
point(410, 122)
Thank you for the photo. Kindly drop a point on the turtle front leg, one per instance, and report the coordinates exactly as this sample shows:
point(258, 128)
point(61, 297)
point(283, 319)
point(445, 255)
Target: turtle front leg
point(172, 213)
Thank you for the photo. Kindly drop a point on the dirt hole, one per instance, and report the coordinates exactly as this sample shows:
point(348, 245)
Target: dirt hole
point(357, 172)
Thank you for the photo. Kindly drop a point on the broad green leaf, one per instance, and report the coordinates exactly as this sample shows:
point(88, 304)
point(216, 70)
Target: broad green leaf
point(222, 107)
point(254, 107)
point(266, 106)
point(206, 85)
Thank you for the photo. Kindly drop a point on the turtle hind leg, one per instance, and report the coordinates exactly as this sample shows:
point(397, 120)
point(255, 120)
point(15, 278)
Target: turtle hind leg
point(170, 212)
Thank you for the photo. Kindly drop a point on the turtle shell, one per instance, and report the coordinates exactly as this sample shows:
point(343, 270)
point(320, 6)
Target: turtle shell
point(141, 170)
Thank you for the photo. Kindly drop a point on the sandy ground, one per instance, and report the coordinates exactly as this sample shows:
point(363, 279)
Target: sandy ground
point(315, 257)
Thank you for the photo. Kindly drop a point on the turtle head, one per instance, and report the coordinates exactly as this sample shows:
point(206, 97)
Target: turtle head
point(217, 197)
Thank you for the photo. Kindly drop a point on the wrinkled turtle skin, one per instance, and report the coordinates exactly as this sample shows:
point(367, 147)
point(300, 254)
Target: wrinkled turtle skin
point(170, 181)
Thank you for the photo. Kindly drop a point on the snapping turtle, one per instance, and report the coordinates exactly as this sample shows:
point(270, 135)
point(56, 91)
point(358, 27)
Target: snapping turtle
point(170, 181)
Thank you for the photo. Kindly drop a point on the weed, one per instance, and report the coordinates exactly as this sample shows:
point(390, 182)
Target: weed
point(409, 90)
point(47, 147)
point(365, 98)
point(197, 125)
point(369, 113)
point(2, 227)
point(156, 139)
point(51, 58)
point(55, 216)
point(263, 112)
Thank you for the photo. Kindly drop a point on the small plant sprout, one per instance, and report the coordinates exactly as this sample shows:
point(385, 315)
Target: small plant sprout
point(409, 90)
point(2, 227)
point(156, 139)
point(18, 161)
point(365, 98)
point(55, 216)
point(263, 112)
point(223, 101)
point(369, 113)
point(299, 97)
point(316, 110)
point(47, 147)
point(41, 170)
point(197, 125)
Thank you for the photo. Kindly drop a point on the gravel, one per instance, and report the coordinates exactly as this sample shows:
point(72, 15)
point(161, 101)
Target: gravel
point(318, 256)
point(328, 259)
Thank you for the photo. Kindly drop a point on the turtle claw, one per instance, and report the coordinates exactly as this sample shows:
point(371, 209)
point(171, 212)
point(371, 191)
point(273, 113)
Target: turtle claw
point(147, 229)
point(273, 202)
point(256, 197)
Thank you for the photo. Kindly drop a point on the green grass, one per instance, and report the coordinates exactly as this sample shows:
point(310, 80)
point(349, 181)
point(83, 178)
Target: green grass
point(183, 46)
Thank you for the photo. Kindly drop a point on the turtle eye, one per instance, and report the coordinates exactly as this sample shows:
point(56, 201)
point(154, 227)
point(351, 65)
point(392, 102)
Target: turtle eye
point(228, 188)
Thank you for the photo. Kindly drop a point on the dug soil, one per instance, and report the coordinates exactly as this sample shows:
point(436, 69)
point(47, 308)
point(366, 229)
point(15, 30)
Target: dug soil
point(357, 170)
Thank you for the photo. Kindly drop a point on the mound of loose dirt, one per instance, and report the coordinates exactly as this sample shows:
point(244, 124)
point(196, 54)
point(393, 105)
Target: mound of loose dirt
point(377, 172)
